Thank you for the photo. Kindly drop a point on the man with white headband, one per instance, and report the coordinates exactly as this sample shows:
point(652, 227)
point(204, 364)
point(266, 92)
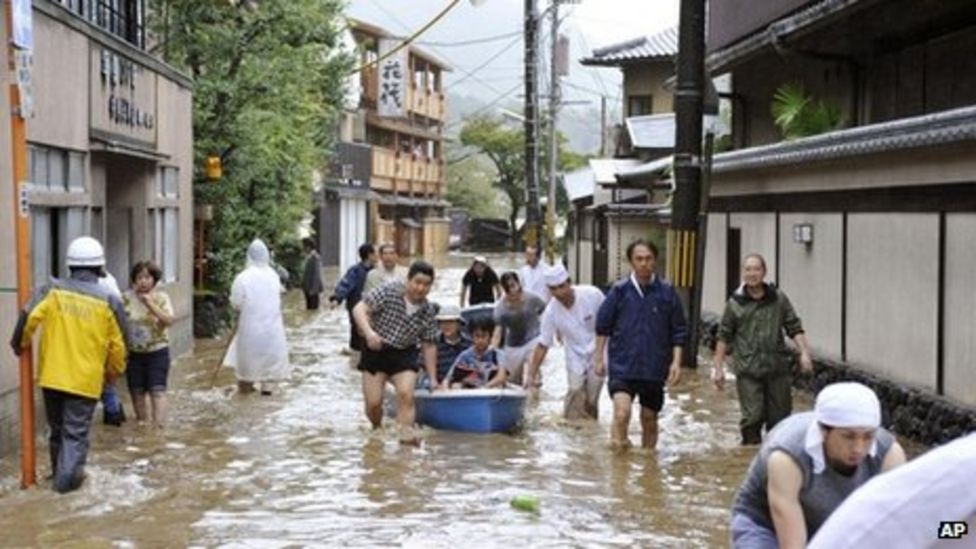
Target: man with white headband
point(572, 314)
point(925, 504)
point(808, 465)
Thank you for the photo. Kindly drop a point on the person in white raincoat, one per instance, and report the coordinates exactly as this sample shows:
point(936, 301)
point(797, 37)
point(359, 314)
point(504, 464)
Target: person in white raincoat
point(258, 351)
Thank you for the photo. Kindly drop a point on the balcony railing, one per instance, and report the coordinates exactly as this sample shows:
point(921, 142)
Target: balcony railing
point(405, 172)
point(419, 100)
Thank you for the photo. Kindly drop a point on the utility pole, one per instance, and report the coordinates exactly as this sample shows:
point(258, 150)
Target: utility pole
point(553, 144)
point(531, 134)
point(19, 45)
point(603, 126)
point(689, 107)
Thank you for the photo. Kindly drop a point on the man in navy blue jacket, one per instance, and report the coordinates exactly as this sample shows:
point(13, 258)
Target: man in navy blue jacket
point(645, 324)
point(350, 290)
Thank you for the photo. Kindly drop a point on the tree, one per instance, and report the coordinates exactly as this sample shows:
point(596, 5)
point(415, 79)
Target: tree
point(469, 185)
point(798, 115)
point(504, 146)
point(268, 86)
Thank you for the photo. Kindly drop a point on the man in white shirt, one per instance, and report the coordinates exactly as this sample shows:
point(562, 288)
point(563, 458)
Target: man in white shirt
point(572, 314)
point(532, 274)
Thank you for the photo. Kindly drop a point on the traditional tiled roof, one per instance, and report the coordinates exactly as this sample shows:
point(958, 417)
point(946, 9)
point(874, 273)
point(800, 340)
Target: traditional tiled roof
point(954, 126)
point(776, 32)
point(658, 47)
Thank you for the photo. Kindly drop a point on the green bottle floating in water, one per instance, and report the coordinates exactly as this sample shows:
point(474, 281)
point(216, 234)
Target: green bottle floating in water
point(526, 503)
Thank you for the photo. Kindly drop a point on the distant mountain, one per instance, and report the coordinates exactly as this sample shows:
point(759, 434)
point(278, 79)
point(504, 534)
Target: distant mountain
point(579, 124)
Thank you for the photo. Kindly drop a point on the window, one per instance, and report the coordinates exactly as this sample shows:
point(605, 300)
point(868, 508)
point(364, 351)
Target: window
point(123, 18)
point(76, 172)
point(168, 182)
point(164, 240)
point(56, 170)
point(638, 105)
point(52, 229)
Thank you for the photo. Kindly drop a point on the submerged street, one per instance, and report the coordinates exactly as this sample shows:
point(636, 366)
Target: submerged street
point(303, 468)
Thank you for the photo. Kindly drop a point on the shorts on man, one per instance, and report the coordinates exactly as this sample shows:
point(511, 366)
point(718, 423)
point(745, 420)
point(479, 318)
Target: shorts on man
point(513, 359)
point(389, 360)
point(650, 393)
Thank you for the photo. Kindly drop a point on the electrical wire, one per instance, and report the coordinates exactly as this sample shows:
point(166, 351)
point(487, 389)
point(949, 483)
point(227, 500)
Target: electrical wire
point(487, 106)
point(470, 74)
point(403, 25)
point(471, 42)
point(409, 39)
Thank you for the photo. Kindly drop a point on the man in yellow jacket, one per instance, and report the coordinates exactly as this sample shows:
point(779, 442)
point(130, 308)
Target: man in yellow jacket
point(81, 344)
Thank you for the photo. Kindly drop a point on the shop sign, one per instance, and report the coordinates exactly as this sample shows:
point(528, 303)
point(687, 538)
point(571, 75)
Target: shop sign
point(120, 75)
point(391, 96)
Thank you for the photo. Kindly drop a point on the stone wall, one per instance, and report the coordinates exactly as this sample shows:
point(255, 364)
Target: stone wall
point(909, 411)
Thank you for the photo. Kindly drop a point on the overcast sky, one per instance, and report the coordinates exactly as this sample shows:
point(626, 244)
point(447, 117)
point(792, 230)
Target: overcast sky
point(590, 24)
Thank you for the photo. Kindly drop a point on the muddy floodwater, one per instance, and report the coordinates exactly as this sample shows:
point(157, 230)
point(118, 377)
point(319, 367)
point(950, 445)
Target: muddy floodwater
point(302, 467)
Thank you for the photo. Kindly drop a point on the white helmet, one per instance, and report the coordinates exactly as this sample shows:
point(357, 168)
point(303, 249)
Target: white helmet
point(85, 251)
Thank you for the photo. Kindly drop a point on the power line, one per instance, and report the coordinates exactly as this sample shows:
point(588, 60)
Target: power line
point(409, 39)
point(488, 61)
point(487, 106)
point(403, 25)
point(473, 41)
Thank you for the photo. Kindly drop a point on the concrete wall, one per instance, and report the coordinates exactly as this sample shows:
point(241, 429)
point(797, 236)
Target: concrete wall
point(960, 322)
point(892, 295)
point(61, 111)
point(175, 139)
point(648, 79)
point(713, 294)
point(758, 236)
point(812, 276)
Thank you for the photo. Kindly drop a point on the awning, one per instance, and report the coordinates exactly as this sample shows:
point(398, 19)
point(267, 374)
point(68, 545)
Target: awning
point(410, 222)
point(656, 173)
point(653, 211)
point(399, 200)
point(103, 143)
point(605, 169)
point(346, 191)
point(579, 184)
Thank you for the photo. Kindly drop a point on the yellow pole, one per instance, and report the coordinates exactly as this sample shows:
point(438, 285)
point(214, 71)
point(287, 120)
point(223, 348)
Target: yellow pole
point(18, 135)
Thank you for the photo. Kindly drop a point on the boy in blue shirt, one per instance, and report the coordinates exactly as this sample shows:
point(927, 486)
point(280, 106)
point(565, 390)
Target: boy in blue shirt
point(477, 367)
point(450, 344)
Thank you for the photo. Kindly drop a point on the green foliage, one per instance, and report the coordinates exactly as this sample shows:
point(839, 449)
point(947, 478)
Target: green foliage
point(504, 146)
point(469, 185)
point(798, 115)
point(268, 86)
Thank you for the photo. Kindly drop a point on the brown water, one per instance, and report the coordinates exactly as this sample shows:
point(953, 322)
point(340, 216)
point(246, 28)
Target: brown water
point(302, 468)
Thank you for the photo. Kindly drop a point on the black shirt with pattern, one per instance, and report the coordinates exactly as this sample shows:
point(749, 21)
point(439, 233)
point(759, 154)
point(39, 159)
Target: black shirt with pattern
point(391, 321)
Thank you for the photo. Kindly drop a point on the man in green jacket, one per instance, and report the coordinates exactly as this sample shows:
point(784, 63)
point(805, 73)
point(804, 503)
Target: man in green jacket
point(753, 324)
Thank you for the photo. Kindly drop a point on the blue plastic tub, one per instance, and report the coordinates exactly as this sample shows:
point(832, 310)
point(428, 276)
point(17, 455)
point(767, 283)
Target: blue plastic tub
point(471, 410)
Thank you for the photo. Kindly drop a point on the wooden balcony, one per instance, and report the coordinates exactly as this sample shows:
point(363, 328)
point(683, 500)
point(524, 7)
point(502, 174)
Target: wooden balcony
point(393, 171)
point(426, 103)
point(422, 101)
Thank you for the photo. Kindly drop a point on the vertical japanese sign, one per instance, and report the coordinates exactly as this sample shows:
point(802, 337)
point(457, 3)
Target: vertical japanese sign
point(391, 95)
point(23, 33)
point(22, 38)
